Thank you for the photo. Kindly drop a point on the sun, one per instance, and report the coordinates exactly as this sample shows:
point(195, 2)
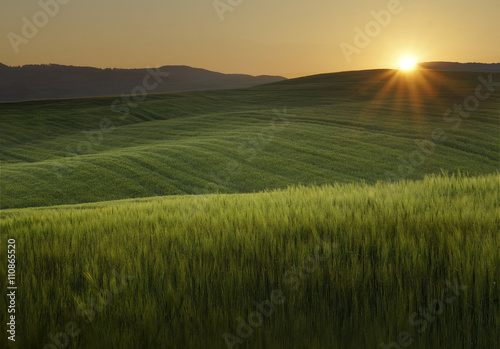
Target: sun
point(407, 63)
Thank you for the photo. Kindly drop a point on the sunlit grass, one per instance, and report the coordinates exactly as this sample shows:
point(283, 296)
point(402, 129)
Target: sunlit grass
point(200, 262)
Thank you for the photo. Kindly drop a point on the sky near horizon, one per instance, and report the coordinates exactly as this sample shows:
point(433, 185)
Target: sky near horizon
point(290, 38)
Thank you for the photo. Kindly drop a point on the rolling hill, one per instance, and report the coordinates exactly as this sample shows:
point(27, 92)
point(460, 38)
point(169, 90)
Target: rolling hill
point(343, 127)
point(333, 225)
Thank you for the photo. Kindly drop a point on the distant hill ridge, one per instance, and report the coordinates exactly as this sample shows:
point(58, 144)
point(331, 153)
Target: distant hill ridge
point(480, 67)
point(50, 81)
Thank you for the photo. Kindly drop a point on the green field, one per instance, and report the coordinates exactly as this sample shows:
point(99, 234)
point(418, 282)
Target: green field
point(321, 212)
point(367, 258)
point(337, 128)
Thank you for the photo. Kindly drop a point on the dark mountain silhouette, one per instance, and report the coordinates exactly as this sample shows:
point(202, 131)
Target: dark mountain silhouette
point(479, 67)
point(59, 81)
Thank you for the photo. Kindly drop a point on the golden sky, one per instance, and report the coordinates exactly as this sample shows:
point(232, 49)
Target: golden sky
point(275, 37)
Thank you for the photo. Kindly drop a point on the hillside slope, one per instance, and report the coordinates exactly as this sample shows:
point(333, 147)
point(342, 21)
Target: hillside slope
point(344, 127)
